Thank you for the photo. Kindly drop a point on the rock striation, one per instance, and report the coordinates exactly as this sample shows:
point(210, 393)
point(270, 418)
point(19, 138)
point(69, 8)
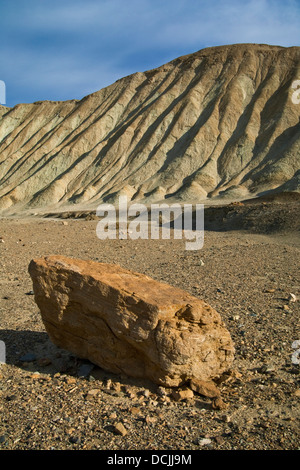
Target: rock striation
point(127, 322)
point(218, 123)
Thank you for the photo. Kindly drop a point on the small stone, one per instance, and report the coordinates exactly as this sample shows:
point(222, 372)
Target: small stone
point(29, 357)
point(30, 292)
point(108, 384)
point(226, 418)
point(119, 429)
point(184, 394)
point(3, 438)
point(134, 410)
point(219, 440)
point(218, 404)
point(292, 298)
point(161, 391)
point(151, 419)
point(265, 369)
point(36, 375)
point(165, 400)
point(70, 380)
point(204, 442)
point(93, 393)
point(116, 386)
point(297, 392)
point(74, 440)
point(205, 388)
point(153, 402)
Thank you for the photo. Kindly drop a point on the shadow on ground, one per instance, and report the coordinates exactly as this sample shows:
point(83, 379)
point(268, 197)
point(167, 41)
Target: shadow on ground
point(33, 351)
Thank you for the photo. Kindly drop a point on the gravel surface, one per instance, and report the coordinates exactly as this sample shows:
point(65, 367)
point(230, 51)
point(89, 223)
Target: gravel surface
point(50, 399)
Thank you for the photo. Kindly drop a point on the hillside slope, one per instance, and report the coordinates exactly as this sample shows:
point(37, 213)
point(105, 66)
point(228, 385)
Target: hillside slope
point(216, 123)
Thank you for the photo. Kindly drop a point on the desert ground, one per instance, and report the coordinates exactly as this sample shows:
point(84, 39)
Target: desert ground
point(247, 270)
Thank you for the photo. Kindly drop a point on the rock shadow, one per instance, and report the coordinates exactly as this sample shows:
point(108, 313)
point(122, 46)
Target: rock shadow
point(33, 350)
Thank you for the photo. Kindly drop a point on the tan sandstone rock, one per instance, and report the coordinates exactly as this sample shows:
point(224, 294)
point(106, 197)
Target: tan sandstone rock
point(205, 388)
point(127, 322)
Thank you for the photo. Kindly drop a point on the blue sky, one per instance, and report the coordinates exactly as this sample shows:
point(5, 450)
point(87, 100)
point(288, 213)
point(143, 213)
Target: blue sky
point(65, 49)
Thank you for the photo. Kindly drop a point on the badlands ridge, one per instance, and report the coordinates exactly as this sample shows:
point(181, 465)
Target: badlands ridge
point(215, 125)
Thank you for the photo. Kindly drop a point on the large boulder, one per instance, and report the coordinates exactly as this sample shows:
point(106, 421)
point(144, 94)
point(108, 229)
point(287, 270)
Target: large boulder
point(126, 322)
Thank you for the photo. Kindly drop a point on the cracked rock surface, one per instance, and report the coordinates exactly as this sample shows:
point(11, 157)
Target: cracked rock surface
point(127, 322)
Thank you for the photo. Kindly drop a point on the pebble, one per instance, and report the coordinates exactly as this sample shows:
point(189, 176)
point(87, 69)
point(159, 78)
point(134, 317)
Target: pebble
point(161, 391)
point(219, 440)
point(119, 429)
point(116, 386)
point(74, 440)
point(108, 384)
point(70, 380)
point(151, 419)
point(218, 404)
point(28, 357)
point(3, 438)
point(292, 298)
point(93, 393)
point(204, 442)
point(265, 369)
point(134, 410)
point(153, 402)
point(35, 375)
point(185, 394)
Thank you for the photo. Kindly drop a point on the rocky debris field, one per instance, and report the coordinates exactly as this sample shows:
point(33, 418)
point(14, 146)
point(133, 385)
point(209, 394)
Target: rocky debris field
point(50, 399)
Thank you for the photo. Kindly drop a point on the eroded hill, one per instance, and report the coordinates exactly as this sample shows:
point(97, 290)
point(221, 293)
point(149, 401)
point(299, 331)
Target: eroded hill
point(217, 123)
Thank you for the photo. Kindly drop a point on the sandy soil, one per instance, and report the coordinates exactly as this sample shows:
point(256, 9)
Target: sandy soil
point(48, 400)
